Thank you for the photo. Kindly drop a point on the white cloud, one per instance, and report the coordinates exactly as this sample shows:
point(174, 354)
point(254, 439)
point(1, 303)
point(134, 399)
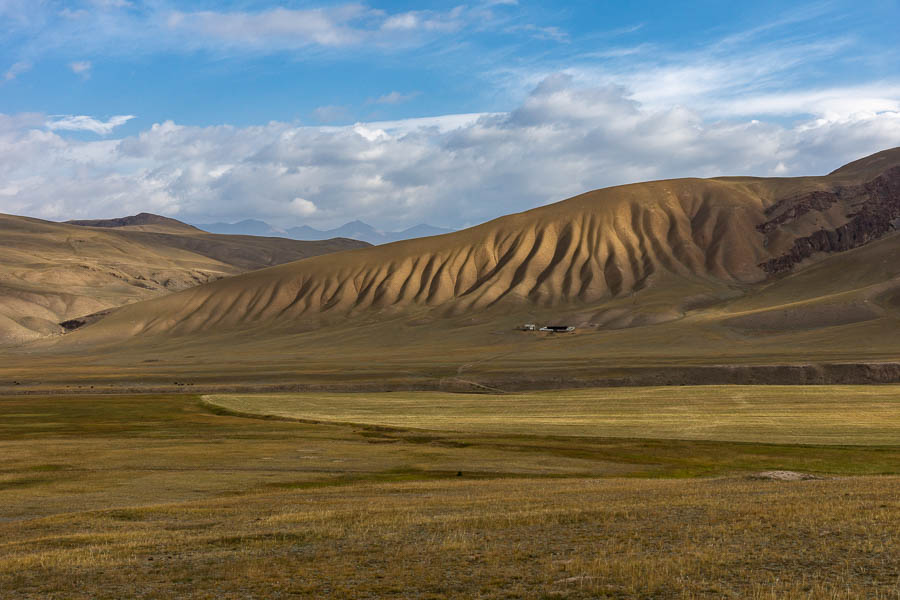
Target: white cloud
point(340, 26)
point(96, 28)
point(763, 71)
point(403, 21)
point(86, 123)
point(423, 20)
point(828, 103)
point(279, 26)
point(82, 68)
point(302, 207)
point(17, 69)
point(454, 170)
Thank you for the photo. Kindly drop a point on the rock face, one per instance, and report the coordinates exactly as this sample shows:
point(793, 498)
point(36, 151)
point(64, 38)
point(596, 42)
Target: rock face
point(875, 207)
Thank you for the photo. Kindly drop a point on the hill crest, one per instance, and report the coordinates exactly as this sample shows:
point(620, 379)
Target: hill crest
point(142, 221)
point(671, 244)
point(55, 272)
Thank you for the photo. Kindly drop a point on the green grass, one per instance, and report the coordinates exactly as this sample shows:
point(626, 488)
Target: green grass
point(832, 415)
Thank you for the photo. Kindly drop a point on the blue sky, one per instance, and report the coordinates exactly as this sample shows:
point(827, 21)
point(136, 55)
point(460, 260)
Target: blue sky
point(396, 113)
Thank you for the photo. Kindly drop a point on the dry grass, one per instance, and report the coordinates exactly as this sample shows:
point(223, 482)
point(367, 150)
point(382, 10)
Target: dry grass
point(868, 415)
point(154, 496)
point(492, 539)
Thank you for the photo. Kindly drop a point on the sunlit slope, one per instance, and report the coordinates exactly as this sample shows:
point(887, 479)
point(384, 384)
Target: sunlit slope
point(53, 272)
point(615, 258)
point(587, 249)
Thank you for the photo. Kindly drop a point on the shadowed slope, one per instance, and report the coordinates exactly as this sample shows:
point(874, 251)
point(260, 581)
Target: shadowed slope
point(139, 222)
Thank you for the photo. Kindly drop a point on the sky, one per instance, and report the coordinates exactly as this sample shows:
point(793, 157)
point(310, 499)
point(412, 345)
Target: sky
point(399, 113)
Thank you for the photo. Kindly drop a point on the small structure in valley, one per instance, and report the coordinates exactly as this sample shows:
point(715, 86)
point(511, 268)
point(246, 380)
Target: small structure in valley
point(548, 328)
point(558, 328)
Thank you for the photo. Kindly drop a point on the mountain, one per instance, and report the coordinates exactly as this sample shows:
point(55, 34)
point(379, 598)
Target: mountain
point(685, 273)
point(54, 272)
point(247, 227)
point(719, 233)
point(355, 230)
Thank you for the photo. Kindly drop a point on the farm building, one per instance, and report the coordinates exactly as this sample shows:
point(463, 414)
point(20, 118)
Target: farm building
point(558, 328)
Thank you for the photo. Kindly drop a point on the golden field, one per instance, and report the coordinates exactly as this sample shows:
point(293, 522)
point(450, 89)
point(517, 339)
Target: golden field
point(867, 415)
point(159, 496)
point(298, 430)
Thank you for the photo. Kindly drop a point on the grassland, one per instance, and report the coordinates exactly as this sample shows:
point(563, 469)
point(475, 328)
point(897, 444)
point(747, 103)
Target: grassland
point(868, 415)
point(159, 496)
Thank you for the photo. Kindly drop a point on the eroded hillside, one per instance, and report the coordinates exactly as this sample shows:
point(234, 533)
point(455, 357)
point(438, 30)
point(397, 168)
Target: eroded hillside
point(722, 236)
point(51, 273)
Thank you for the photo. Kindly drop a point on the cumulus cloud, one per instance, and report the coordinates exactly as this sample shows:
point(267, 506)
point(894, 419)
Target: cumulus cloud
point(303, 207)
point(86, 123)
point(563, 139)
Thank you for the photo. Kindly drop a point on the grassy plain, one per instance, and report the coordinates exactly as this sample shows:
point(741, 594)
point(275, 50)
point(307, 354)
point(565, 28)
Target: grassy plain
point(158, 496)
point(868, 415)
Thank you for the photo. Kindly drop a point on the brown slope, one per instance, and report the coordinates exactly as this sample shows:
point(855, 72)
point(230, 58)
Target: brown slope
point(53, 272)
point(684, 242)
point(585, 250)
point(139, 222)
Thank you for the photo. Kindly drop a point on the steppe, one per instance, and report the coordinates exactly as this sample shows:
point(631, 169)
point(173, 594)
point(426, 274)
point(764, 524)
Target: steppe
point(153, 496)
point(251, 418)
point(729, 280)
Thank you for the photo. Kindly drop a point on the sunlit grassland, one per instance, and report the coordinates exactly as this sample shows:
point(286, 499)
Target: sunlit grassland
point(570, 538)
point(867, 415)
point(158, 496)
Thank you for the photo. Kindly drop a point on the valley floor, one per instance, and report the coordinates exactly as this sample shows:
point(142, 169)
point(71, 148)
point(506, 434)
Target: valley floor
point(165, 496)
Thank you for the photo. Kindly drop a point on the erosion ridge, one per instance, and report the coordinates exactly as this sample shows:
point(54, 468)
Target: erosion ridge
point(720, 235)
point(593, 247)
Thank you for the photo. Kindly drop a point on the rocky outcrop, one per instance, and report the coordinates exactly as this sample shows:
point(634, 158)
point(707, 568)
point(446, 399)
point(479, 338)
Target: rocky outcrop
point(789, 210)
point(877, 206)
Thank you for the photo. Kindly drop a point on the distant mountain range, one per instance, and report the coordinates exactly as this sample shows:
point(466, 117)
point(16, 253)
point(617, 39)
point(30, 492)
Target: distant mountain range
point(355, 230)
